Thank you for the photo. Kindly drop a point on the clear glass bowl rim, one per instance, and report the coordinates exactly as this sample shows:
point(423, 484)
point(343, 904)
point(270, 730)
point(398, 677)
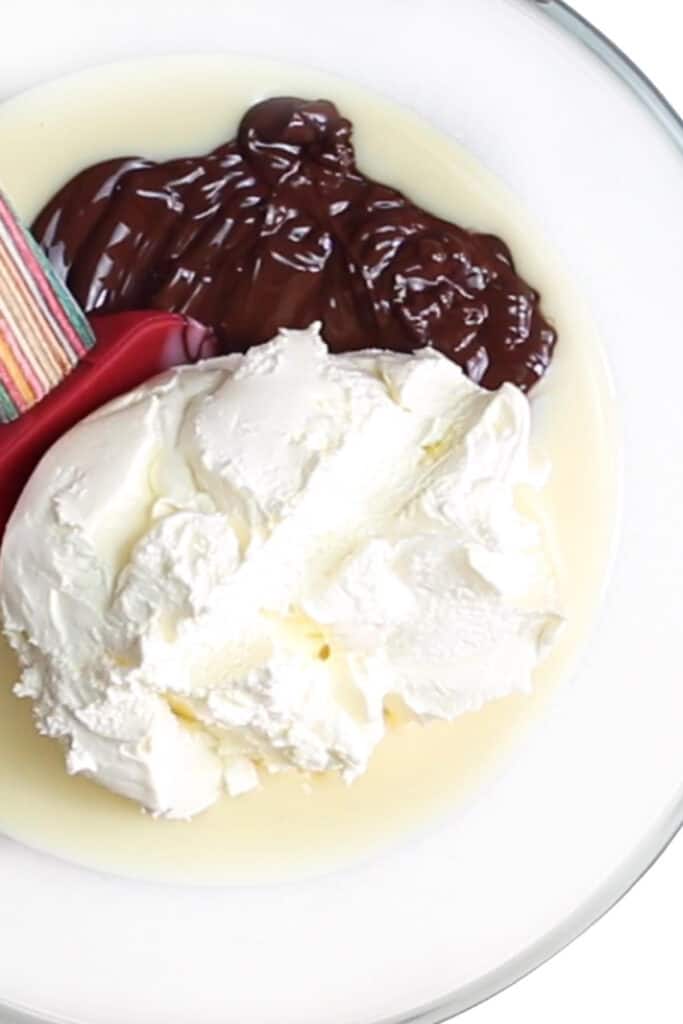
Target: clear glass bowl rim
point(656, 842)
point(670, 823)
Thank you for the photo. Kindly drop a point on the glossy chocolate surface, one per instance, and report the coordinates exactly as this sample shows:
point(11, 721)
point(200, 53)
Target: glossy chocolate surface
point(280, 228)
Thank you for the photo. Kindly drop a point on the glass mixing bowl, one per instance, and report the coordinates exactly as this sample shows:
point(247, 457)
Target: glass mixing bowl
point(446, 920)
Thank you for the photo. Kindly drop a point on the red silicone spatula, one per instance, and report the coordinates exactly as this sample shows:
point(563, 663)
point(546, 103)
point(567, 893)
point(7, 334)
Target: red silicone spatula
point(129, 348)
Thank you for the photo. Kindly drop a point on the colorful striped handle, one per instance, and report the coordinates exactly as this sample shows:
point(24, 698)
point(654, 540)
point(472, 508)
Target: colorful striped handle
point(43, 331)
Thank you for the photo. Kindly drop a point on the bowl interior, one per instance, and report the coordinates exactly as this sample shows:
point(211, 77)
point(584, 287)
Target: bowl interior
point(458, 913)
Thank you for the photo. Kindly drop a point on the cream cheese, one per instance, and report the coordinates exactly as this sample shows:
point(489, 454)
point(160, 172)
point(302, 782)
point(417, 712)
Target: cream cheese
point(239, 566)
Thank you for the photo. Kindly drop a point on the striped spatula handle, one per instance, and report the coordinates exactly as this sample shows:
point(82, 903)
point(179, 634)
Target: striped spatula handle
point(43, 331)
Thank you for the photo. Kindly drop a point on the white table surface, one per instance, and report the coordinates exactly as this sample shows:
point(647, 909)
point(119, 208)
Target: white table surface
point(627, 967)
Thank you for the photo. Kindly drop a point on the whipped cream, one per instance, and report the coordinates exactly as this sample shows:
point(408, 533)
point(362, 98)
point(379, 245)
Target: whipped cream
point(240, 566)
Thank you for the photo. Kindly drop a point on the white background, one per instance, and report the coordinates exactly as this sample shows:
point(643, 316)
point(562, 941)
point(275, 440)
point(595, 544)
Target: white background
point(627, 968)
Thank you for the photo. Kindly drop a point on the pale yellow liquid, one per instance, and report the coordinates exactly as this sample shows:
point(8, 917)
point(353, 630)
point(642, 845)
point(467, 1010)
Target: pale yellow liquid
point(419, 774)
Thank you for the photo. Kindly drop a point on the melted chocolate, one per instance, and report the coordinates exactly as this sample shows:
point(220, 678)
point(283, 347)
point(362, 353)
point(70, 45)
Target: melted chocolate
point(280, 228)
